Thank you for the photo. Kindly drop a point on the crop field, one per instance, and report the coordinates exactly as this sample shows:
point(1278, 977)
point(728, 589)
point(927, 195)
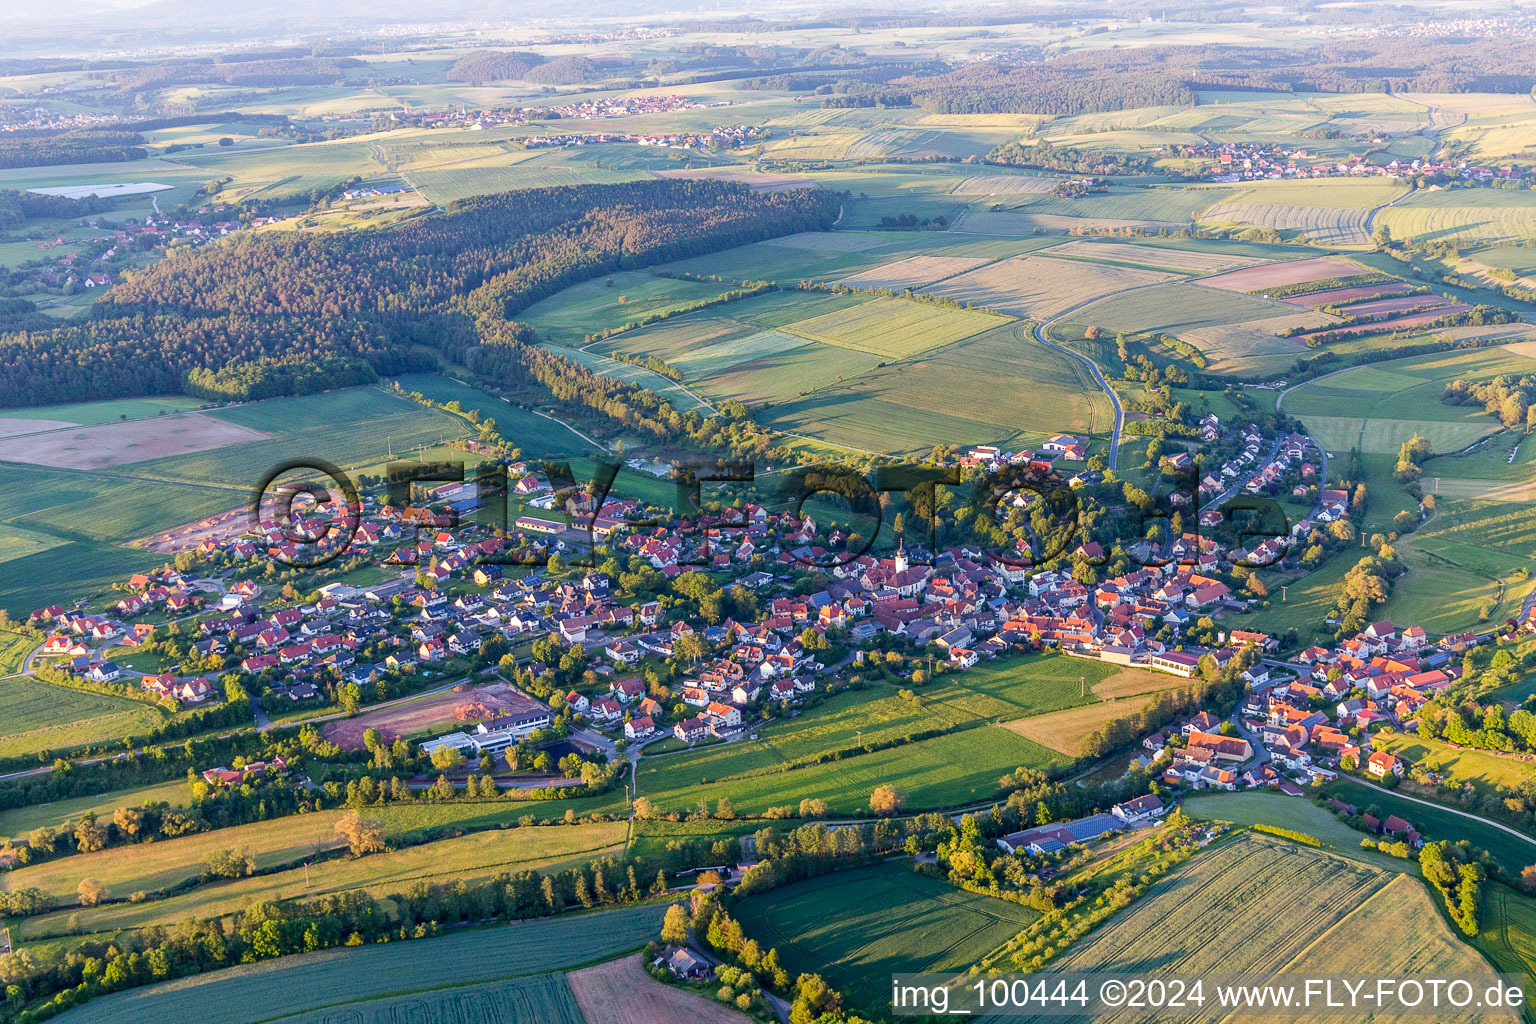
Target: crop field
point(1183, 306)
point(1157, 257)
point(1508, 932)
point(1255, 346)
point(1039, 287)
point(589, 308)
point(117, 444)
point(896, 328)
point(21, 820)
point(1275, 275)
point(621, 992)
point(342, 977)
point(37, 716)
point(544, 997)
point(86, 414)
point(946, 771)
point(913, 405)
point(1379, 393)
point(535, 435)
point(1348, 294)
point(1486, 214)
point(1002, 185)
point(913, 272)
point(784, 375)
point(1067, 731)
point(14, 648)
point(1272, 906)
point(856, 928)
point(1320, 225)
point(472, 858)
point(346, 428)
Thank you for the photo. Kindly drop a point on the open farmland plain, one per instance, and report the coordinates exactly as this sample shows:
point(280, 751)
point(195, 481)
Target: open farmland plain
point(292, 986)
point(1273, 907)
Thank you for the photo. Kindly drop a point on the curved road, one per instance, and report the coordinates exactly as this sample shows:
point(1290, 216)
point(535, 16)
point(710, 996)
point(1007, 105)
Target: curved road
point(1443, 807)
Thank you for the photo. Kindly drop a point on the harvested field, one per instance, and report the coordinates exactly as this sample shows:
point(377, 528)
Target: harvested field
point(1400, 304)
point(1275, 275)
point(1252, 346)
point(1067, 731)
point(1485, 490)
point(757, 181)
point(1002, 184)
point(1039, 287)
point(913, 272)
point(119, 444)
point(187, 536)
point(620, 992)
point(1023, 222)
point(13, 427)
point(1363, 291)
point(1129, 682)
point(414, 716)
point(1156, 257)
point(1322, 225)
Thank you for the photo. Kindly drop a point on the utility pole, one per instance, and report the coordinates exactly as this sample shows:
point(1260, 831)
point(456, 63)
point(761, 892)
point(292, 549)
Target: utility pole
point(1282, 593)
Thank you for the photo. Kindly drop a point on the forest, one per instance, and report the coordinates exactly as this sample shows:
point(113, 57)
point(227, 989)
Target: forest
point(276, 313)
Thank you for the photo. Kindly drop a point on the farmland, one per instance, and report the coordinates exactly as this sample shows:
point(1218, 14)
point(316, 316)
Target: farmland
point(1039, 287)
point(894, 328)
point(621, 992)
point(543, 997)
point(856, 928)
point(304, 984)
point(474, 857)
point(1436, 822)
point(1272, 906)
point(1257, 807)
point(22, 820)
point(1486, 215)
point(1377, 394)
point(38, 716)
point(1486, 770)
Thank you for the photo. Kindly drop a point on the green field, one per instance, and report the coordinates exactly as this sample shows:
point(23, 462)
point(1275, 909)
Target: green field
point(1378, 395)
point(472, 858)
point(1486, 770)
point(545, 998)
point(91, 413)
point(21, 820)
point(1272, 906)
point(917, 403)
point(535, 435)
point(1257, 807)
point(289, 986)
point(1435, 823)
point(1508, 932)
point(1484, 214)
point(894, 328)
point(38, 716)
point(605, 303)
point(856, 928)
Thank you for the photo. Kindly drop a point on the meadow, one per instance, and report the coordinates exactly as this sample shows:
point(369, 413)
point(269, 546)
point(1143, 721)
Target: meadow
point(37, 716)
point(1437, 823)
point(336, 978)
point(474, 857)
point(1487, 771)
point(21, 820)
point(1258, 807)
point(856, 928)
point(1378, 394)
point(604, 303)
